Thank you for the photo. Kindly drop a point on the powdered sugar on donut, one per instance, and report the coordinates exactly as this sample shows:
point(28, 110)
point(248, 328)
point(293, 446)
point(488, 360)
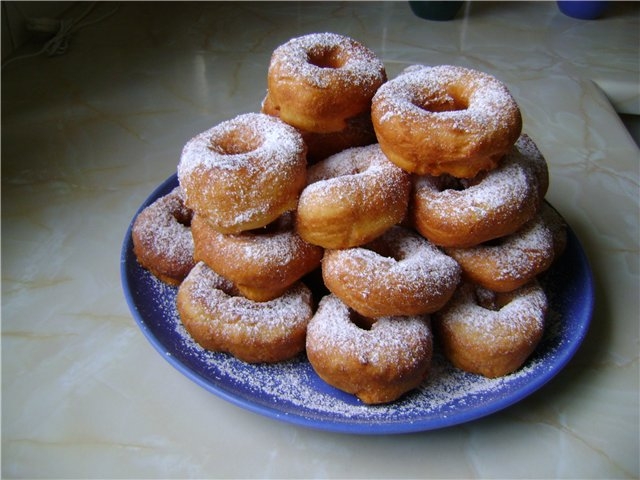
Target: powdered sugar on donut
point(468, 212)
point(423, 91)
point(162, 237)
point(243, 173)
point(160, 228)
point(515, 258)
point(490, 324)
point(394, 339)
point(400, 273)
point(234, 312)
point(359, 66)
point(273, 140)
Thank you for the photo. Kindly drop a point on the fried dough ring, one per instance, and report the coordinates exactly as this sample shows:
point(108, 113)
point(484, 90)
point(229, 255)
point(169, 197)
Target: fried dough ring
point(318, 81)
point(445, 120)
point(510, 262)
point(351, 198)
point(243, 173)
point(399, 273)
point(451, 213)
point(262, 263)
point(379, 362)
point(162, 240)
point(491, 334)
point(358, 132)
point(221, 320)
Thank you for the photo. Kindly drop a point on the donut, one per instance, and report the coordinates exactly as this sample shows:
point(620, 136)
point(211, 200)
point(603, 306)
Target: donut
point(318, 81)
point(558, 227)
point(399, 273)
point(445, 120)
point(357, 133)
point(507, 263)
point(464, 213)
point(162, 241)
point(220, 320)
point(491, 334)
point(243, 173)
point(377, 362)
point(262, 263)
point(351, 198)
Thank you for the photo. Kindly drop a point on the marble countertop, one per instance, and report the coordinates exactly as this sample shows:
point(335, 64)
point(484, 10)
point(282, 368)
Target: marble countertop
point(88, 135)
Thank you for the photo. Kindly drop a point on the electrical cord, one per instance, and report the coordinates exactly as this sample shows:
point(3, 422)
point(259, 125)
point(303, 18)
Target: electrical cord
point(64, 29)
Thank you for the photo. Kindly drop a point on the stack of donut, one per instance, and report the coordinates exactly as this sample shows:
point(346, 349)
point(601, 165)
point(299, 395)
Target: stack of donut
point(417, 200)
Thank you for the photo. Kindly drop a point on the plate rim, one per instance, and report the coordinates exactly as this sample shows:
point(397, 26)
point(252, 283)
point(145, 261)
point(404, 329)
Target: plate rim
point(371, 428)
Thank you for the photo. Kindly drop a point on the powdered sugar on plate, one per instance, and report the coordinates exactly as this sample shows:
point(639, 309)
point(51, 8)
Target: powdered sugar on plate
point(293, 387)
point(292, 392)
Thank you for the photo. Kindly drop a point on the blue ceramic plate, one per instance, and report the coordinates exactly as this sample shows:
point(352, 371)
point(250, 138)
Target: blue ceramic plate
point(292, 392)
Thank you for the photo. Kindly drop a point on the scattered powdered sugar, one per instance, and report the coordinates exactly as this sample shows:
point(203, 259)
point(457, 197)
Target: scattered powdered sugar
point(292, 389)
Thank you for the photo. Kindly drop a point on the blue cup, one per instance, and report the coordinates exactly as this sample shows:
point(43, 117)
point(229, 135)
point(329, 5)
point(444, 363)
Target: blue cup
point(584, 10)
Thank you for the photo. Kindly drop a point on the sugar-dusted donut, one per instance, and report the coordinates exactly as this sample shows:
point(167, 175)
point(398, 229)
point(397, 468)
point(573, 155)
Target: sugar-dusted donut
point(221, 320)
point(445, 120)
point(262, 263)
point(351, 198)
point(243, 173)
point(358, 132)
point(377, 362)
point(488, 333)
point(318, 81)
point(507, 263)
point(453, 213)
point(162, 240)
point(399, 273)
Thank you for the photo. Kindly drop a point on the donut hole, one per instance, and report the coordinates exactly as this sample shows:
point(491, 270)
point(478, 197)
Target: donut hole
point(326, 58)
point(360, 321)
point(384, 249)
point(495, 242)
point(448, 182)
point(490, 300)
point(237, 142)
point(281, 224)
point(183, 217)
point(449, 101)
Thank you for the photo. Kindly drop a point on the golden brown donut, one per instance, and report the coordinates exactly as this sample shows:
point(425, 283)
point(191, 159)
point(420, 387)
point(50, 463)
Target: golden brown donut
point(554, 221)
point(507, 263)
point(379, 362)
point(351, 198)
point(162, 240)
point(488, 333)
point(399, 273)
point(262, 263)
point(221, 320)
point(357, 133)
point(454, 213)
point(318, 81)
point(445, 120)
point(243, 173)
